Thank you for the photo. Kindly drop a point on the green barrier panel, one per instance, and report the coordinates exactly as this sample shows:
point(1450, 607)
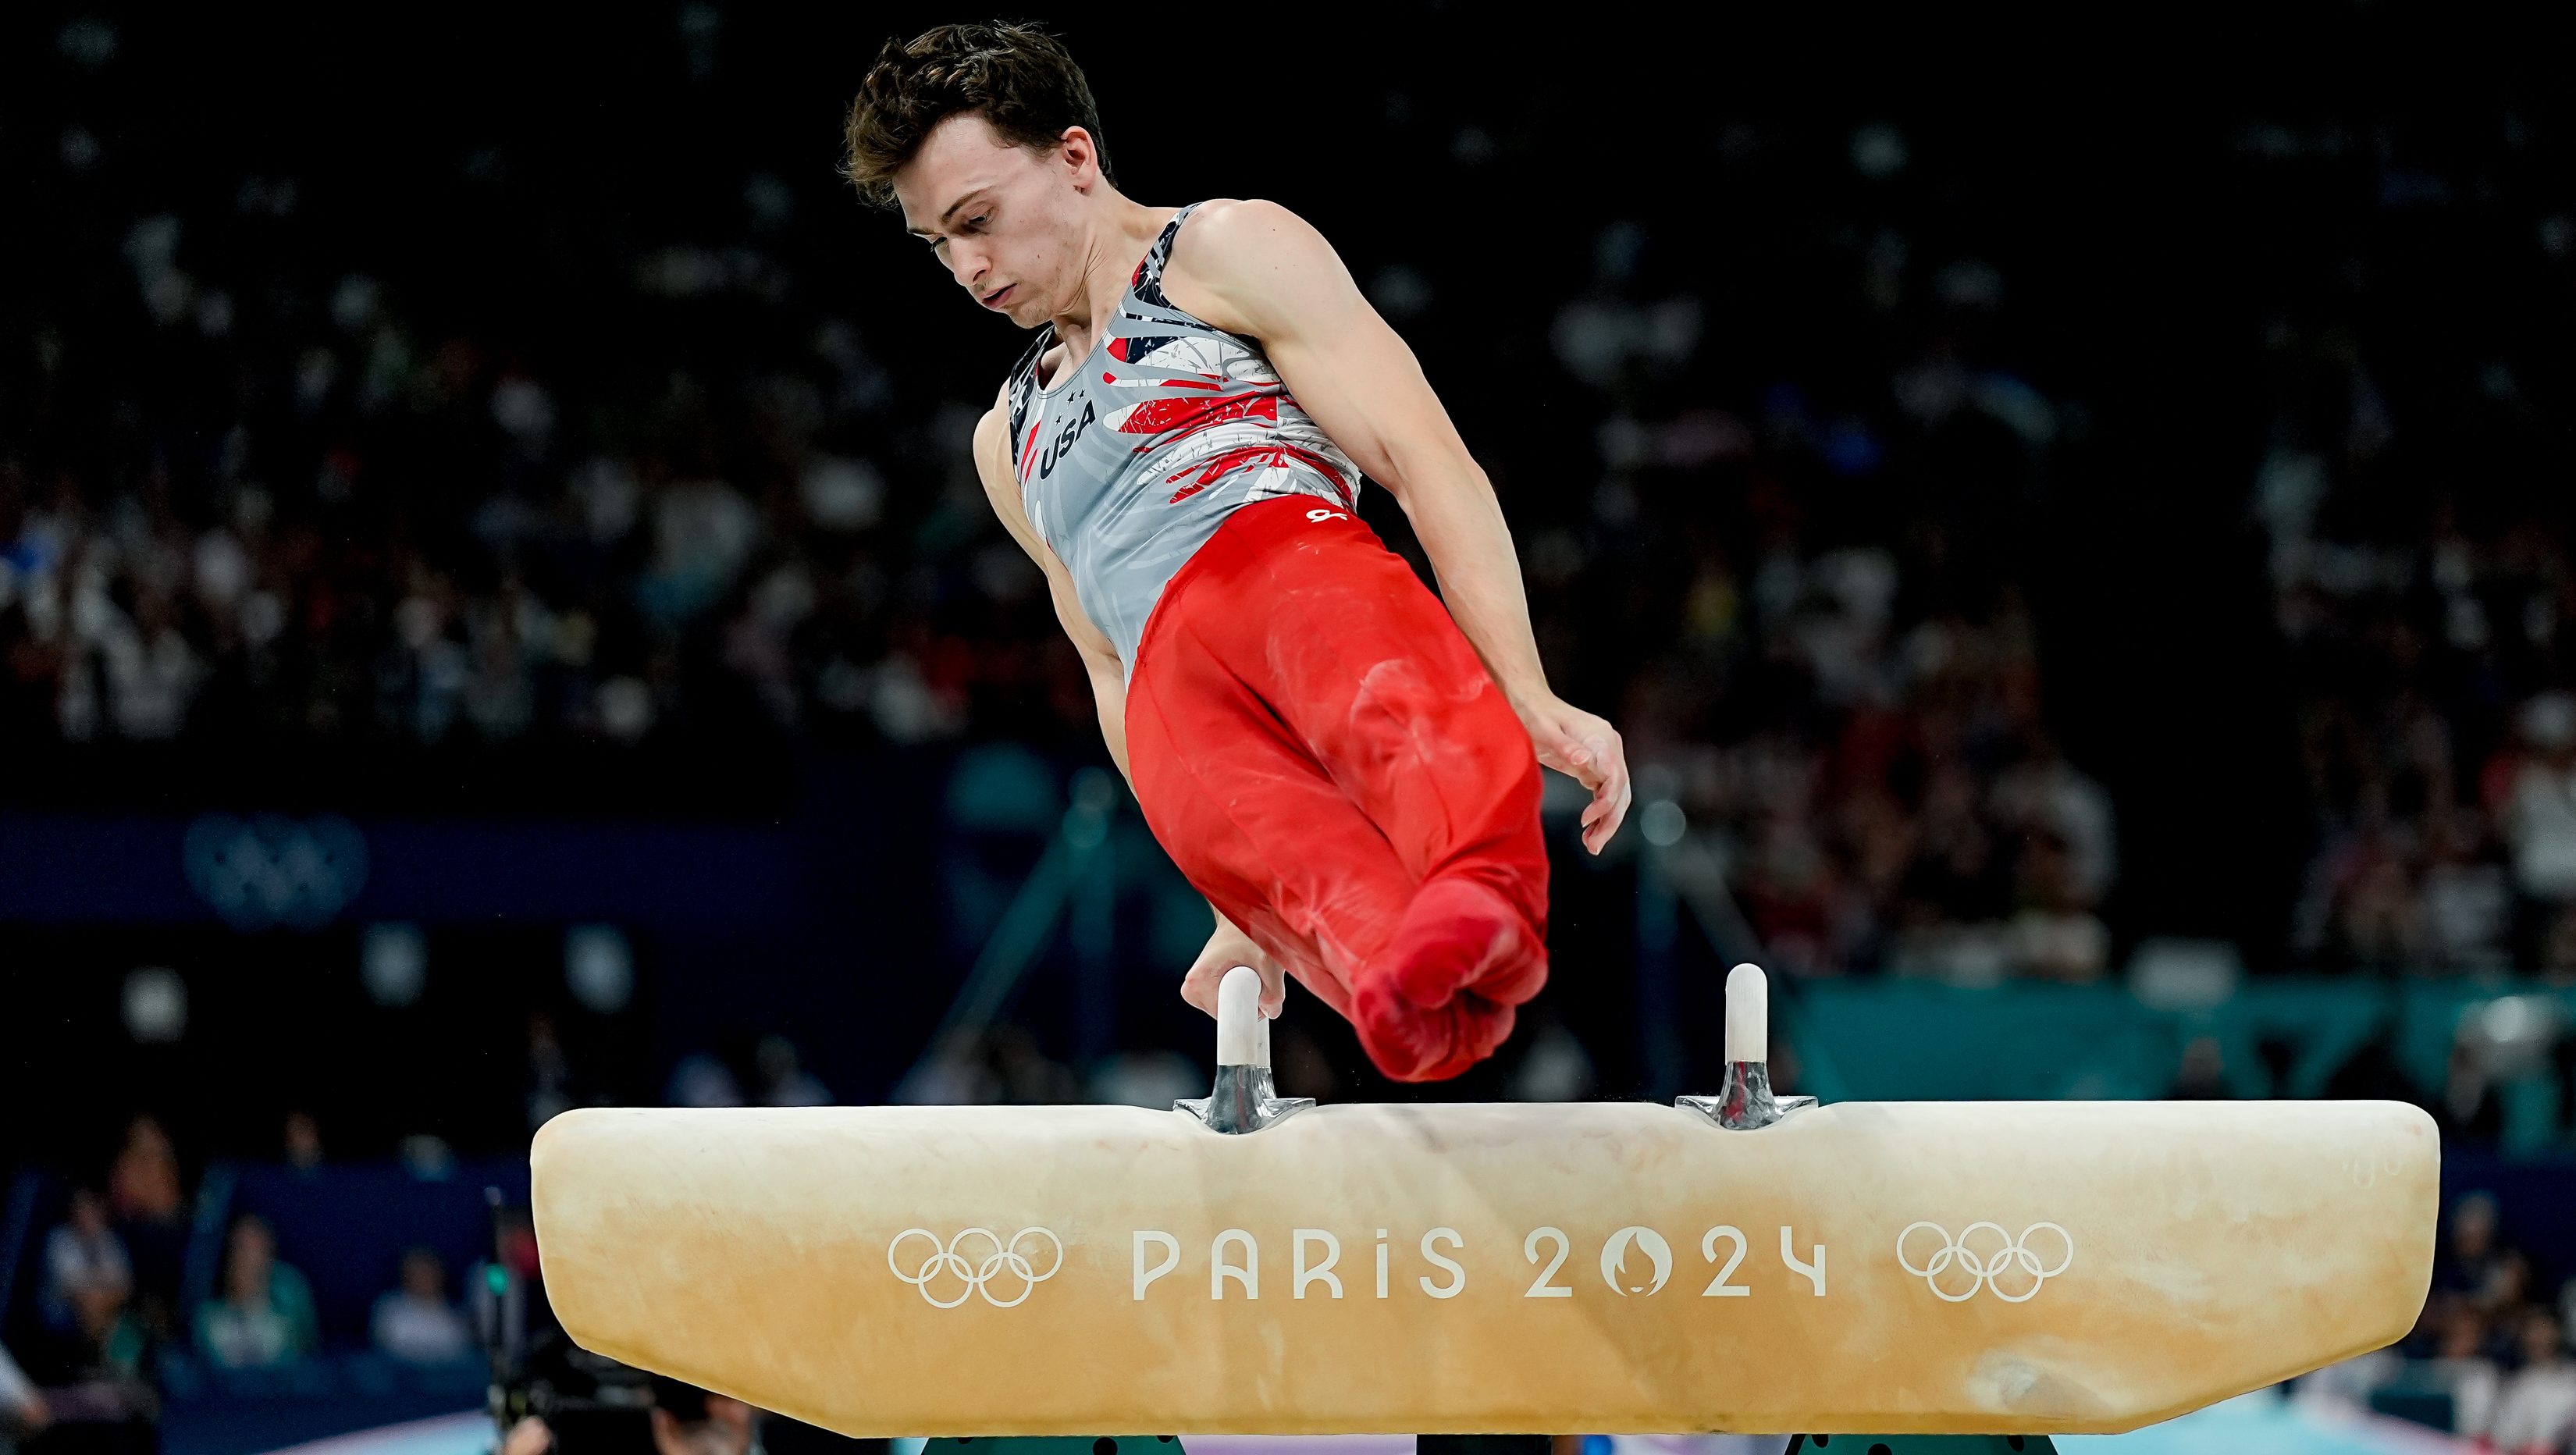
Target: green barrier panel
point(1917, 1041)
point(1904, 1040)
point(1920, 1444)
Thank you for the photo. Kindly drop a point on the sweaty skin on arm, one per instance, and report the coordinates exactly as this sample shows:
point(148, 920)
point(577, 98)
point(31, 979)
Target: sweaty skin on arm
point(1257, 269)
point(1228, 946)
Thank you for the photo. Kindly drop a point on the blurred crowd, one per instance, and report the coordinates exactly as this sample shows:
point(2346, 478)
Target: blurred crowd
point(110, 1347)
point(265, 484)
point(2411, 495)
point(1850, 708)
point(114, 1331)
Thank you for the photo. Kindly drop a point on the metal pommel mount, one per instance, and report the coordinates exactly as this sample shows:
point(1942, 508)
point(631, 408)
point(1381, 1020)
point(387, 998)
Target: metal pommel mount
point(1244, 1099)
point(1744, 1102)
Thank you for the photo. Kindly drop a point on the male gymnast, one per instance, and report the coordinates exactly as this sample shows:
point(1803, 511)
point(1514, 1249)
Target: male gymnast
point(1347, 770)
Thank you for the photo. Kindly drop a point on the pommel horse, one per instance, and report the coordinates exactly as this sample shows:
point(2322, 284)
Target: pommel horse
point(1247, 1265)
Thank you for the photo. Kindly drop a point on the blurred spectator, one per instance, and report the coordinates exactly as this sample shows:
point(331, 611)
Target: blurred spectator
point(701, 1078)
point(107, 1337)
point(83, 1257)
point(2348, 1385)
point(415, 1323)
point(149, 1209)
point(783, 1080)
point(2461, 1369)
point(302, 1138)
point(98, 1374)
point(2464, 911)
point(2473, 1256)
point(2539, 807)
point(265, 1317)
point(427, 1156)
point(2535, 1408)
point(143, 1183)
point(2470, 1108)
point(549, 1076)
point(2202, 1074)
point(2054, 935)
point(2372, 1071)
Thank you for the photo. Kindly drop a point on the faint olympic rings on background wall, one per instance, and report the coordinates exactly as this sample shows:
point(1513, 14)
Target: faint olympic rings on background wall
point(2011, 1260)
point(273, 870)
point(1005, 1260)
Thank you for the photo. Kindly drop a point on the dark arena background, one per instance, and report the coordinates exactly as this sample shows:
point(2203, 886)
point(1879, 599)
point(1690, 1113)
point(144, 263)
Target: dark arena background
point(497, 616)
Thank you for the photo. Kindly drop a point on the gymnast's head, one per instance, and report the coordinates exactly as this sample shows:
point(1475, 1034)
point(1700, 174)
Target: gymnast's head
point(986, 139)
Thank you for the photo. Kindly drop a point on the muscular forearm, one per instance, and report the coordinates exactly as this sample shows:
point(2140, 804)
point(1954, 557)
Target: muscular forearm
point(1460, 523)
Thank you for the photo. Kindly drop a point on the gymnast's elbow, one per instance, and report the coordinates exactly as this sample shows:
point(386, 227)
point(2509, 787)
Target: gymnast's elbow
point(1432, 474)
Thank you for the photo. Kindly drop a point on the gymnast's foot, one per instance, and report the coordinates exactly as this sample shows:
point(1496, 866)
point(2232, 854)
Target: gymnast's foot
point(1441, 996)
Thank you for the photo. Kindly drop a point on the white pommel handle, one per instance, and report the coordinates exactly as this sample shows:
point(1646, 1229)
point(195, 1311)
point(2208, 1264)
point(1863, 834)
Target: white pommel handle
point(1748, 1014)
point(1242, 1037)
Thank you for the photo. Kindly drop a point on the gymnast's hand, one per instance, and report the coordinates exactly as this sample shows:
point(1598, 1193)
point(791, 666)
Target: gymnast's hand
point(1227, 948)
point(1586, 749)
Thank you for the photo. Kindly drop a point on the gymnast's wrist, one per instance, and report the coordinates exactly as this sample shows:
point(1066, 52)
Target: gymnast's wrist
point(1529, 700)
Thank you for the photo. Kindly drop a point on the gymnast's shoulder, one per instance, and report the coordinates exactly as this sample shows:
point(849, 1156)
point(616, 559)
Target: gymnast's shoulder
point(1250, 260)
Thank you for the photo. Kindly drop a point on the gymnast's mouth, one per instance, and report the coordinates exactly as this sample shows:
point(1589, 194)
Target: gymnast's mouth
point(994, 299)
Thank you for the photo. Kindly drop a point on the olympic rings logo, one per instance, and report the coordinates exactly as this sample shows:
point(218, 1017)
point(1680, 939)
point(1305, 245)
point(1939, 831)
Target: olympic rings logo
point(1004, 1261)
point(2010, 1261)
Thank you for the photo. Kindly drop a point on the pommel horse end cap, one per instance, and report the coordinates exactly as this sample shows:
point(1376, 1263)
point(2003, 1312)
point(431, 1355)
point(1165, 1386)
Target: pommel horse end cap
point(1243, 1264)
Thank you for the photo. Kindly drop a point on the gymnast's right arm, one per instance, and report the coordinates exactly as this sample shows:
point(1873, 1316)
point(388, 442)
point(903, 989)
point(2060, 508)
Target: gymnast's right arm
point(1228, 946)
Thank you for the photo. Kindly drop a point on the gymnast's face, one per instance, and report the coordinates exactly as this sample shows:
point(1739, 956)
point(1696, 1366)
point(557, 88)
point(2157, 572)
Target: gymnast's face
point(1005, 221)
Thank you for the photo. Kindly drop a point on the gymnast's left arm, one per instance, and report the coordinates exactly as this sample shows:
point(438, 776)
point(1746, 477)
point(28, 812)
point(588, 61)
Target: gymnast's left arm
point(1257, 269)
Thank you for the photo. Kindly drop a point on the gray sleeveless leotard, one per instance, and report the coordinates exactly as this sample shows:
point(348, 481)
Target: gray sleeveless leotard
point(1139, 450)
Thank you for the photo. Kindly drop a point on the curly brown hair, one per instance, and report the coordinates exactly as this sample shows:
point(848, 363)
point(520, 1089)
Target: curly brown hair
point(1020, 79)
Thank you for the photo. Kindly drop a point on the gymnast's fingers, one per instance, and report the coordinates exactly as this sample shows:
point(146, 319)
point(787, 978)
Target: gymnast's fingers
point(1199, 986)
point(1578, 758)
point(1609, 806)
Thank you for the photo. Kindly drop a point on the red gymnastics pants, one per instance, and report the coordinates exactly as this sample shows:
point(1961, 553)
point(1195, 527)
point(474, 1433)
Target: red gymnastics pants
point(1322, 753)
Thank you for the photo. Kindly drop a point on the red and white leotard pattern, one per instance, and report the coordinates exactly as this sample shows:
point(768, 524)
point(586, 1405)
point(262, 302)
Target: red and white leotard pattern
point(1134, 455)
